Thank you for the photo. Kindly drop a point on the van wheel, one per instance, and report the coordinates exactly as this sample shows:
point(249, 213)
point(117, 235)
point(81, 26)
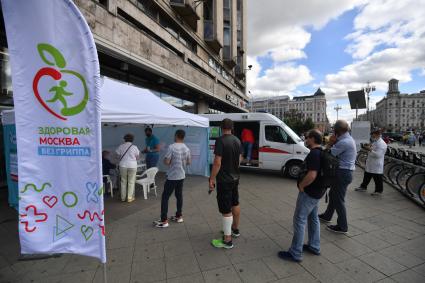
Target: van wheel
point(293, 169)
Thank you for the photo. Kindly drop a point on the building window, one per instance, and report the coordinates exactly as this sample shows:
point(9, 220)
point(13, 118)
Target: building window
point(227, 29)
point(208, 10)
point(104, 3)
point(179, 103)
point(148, 7)
point(5, 74)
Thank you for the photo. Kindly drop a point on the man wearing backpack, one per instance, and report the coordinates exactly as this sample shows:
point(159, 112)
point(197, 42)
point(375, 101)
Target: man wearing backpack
point(343, 146)
point(310, 191)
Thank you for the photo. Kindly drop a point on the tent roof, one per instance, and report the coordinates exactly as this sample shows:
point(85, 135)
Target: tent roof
point(122, 103)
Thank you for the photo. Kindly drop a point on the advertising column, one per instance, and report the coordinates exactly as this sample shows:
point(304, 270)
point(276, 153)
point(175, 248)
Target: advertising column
point(55, 77)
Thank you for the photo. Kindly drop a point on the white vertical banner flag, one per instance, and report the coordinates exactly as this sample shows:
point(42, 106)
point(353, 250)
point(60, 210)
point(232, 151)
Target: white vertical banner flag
point(55, 76)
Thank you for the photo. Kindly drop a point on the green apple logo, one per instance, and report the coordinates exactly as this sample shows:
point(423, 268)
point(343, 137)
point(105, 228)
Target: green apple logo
point(59, 91)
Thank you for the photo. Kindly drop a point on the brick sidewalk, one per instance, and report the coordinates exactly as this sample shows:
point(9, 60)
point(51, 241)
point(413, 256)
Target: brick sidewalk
point(386, 241)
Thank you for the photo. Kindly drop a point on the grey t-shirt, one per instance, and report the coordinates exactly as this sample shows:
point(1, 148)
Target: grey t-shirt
point(179, 154)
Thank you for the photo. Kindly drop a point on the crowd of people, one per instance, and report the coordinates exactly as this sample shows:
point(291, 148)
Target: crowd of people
point(230, 151)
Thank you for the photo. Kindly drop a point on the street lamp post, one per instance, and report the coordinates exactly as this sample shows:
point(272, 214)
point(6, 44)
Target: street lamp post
point(337, 108)
point(251, 100)
point(368, 89)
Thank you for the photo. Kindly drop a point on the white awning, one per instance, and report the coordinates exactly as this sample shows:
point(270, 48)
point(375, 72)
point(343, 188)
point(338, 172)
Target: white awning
point(123, 103)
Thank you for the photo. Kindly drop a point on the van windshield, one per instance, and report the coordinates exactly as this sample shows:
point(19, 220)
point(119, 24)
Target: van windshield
point(291, 133)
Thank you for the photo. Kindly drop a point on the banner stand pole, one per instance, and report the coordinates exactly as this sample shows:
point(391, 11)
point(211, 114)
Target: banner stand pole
point(105, 280)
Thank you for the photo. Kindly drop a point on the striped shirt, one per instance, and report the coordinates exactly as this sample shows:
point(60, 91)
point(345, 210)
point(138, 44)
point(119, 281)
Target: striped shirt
point(179, 155)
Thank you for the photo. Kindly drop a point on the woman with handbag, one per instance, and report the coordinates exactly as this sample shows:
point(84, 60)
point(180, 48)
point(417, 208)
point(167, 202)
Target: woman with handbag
point(128, 153)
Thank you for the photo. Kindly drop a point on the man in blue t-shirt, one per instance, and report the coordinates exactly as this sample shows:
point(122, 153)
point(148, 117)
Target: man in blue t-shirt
point(152, 149)
point(310, 192)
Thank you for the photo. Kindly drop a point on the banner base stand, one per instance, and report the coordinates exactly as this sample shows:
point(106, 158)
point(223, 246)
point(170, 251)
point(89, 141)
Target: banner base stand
point(26, 257)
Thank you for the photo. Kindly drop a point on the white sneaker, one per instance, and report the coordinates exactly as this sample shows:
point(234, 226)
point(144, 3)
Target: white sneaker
point(162, 224)
point(375, 194)
point(177, 219)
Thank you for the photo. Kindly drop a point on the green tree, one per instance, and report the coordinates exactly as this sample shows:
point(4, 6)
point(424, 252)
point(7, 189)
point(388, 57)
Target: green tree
point(294, 120)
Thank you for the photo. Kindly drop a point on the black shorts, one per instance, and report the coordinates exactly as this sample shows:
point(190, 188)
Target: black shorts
point(227, 196)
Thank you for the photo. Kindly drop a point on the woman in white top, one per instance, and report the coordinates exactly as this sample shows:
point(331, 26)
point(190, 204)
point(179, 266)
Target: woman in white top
point(128, 154)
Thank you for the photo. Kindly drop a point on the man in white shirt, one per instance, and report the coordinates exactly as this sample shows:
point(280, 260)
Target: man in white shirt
point(374, 164)
point(177, 158)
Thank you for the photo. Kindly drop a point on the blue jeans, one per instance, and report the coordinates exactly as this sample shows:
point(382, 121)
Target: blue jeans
point(305, 211)
point(152, 160)
point(247, 150)
point(337, 198)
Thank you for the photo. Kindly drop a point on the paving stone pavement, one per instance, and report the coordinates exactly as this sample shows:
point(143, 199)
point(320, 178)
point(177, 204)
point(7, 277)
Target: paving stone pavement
point(386, 241)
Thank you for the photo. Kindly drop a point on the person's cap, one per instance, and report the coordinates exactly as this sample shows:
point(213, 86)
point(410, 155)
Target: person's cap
point(376, 131)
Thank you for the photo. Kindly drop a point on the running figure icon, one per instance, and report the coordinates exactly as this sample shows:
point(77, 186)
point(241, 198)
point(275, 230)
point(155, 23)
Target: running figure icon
point(60, 93)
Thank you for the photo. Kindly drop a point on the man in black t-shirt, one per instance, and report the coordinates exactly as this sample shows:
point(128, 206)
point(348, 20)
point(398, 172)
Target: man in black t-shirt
point(225, 172)
point(310, 192)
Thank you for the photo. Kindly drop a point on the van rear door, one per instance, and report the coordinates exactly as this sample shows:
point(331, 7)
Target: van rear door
point(276, 147)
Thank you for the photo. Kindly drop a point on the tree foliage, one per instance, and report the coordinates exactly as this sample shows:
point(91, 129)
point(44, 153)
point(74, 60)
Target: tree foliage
point(294, 120)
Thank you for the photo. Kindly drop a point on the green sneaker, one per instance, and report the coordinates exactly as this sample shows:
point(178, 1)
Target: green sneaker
point(219, 243)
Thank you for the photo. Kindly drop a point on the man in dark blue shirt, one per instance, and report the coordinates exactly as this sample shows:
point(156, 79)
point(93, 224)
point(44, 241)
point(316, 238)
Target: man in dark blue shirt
point(310, 192)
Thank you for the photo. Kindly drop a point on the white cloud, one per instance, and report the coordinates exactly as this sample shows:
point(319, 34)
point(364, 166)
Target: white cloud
point(277, 29)
point(388, 42)
point(280, 80)
point(386, 23)
point(283, 44)
point(271, 22)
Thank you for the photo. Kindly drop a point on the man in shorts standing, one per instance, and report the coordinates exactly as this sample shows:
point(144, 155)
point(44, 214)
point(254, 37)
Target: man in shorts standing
point(225, 174)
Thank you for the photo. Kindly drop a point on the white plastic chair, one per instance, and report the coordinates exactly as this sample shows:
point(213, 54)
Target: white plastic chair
point(146, 180)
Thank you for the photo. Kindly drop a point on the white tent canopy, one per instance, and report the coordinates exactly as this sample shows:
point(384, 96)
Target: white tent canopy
point(122, 103)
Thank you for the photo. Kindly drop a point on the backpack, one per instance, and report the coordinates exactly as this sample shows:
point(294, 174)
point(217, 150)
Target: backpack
point(329, 165)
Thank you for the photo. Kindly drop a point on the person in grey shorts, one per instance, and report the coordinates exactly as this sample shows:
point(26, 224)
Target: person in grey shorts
point(177, 158)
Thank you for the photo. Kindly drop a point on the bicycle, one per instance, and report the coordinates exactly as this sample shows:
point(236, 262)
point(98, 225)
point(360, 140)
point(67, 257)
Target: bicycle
point(422, 194)
point(361, 158)
point(415, 184)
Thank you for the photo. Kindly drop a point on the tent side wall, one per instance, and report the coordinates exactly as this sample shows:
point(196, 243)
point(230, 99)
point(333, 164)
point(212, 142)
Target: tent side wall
point(10, 152)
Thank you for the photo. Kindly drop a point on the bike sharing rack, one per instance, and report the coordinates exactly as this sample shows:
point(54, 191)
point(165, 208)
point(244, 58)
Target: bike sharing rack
point(361, 162)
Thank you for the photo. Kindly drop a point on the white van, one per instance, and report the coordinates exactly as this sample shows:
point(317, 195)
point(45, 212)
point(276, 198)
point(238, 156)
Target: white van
point(276, 146)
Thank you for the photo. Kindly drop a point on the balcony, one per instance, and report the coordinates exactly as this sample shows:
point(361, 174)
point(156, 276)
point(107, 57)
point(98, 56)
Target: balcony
point(239, 72)
point(186, 9)
point(210, 36)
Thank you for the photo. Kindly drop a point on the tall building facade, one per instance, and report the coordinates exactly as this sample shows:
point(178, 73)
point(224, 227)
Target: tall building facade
point(398, 112)
point(192, 53)
point(310, 106)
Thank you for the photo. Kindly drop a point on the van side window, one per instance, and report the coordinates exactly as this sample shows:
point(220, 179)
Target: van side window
point(276, 134)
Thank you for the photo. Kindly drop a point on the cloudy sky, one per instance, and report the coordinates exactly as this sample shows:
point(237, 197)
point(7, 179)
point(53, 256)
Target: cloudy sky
point(338, 45)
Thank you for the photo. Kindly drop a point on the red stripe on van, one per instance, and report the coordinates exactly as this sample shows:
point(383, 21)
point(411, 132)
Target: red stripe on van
point(272, 150)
